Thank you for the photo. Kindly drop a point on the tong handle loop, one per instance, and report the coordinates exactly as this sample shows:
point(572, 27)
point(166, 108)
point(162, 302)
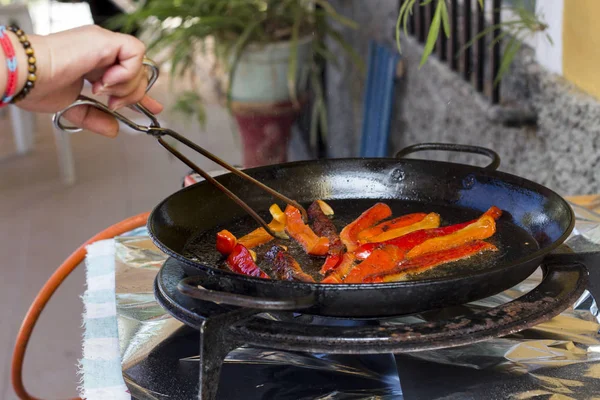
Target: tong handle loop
point(86, 101)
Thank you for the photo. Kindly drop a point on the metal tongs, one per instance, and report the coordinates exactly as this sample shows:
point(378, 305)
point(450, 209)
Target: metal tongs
point(154, 129)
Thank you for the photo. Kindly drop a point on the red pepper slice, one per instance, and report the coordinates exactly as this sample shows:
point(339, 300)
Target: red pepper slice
point(483, 228)
point(285, 267)
point(297, 229)
point(331, 263)
point(416, 238)
point(428, 261)
point(345, 266)
point(380, 260)
point(375, 214)
point(395, 223)
point(240, 261)
point(226, 241)
point(408, 241)
point(431, 221)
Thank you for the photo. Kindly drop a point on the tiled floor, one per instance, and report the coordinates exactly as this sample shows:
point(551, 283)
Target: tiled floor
point(42, 221)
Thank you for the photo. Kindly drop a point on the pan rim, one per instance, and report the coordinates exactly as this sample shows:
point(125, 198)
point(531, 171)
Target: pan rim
point(530, 258)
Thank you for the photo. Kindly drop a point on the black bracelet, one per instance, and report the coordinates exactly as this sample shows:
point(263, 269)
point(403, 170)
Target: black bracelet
point(31, 64)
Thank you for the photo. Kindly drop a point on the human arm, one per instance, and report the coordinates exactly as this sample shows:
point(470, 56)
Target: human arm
point(111, 61)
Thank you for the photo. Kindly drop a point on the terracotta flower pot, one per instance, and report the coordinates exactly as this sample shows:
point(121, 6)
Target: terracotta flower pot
point(265, 131)
point(262, 102)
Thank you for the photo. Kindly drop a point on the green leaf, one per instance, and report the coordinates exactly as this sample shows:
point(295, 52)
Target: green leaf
point(434, 31)
point(406, 16)
point(188, 104)
point(486, 32)
point(498, 39)
point(334, 15)
point(326, 54)
point(405, 11)
point(445, 19)
point(398, 22)
point(510, 52)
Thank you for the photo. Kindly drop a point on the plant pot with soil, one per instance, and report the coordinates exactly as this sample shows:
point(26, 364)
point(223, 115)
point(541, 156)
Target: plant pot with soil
point(267, 57)
point(262, 101)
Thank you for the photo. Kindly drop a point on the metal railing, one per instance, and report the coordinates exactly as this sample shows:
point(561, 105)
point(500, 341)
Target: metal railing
point(477, 64)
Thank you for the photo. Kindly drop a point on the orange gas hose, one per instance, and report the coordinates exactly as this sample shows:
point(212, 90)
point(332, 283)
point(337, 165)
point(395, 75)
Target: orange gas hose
point(48, 290)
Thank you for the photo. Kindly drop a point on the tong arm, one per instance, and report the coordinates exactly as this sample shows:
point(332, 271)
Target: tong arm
point(154, 129)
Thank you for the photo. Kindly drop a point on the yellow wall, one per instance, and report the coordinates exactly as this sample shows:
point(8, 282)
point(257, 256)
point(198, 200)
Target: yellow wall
point(581, 44)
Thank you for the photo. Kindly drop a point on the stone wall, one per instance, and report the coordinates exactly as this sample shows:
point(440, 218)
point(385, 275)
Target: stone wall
point(433, 104)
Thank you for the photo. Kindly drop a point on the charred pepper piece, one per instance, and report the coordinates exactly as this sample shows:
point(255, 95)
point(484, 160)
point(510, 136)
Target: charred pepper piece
point(297, 229)
point(240, 261)
point(323, 226)
point(428, 261)
point(285, 267)
point(375, 214)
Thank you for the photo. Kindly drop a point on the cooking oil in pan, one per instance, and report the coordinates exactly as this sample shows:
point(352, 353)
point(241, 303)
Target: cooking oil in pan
point(512, 242)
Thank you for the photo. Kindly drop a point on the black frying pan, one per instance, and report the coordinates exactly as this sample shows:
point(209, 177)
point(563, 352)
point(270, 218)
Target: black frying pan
point(535, 221)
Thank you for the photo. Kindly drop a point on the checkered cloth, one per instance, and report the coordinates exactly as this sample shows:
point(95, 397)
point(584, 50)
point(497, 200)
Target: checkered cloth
point(101, 363)
point(100, 367)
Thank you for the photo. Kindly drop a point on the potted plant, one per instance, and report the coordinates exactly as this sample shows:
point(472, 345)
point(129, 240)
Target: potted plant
point(268, 53)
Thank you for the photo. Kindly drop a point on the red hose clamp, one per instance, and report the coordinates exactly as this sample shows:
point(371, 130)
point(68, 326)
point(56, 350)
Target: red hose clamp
point(11, 64)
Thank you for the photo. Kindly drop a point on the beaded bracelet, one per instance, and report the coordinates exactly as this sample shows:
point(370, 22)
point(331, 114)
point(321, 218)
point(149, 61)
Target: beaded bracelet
point(11, 64)
point(31, 61)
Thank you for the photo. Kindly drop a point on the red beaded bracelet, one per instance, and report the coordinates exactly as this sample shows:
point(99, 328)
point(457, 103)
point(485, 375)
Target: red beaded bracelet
point(11, 64)
point(31, 63)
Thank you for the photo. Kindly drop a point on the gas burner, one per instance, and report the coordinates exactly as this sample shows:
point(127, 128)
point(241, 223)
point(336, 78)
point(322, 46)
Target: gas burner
point(223, 329)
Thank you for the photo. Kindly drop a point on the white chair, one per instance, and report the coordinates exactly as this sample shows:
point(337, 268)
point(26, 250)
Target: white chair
point(23, 122)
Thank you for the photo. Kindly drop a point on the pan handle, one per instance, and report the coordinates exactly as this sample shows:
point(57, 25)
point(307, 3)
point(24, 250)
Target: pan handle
point(190, 286)
point(459, 148)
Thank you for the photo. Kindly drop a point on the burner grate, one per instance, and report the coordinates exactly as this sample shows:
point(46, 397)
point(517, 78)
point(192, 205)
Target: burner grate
point(223, 329)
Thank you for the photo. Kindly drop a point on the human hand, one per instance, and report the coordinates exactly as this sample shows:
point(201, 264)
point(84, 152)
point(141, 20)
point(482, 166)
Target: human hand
point(111, 62)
